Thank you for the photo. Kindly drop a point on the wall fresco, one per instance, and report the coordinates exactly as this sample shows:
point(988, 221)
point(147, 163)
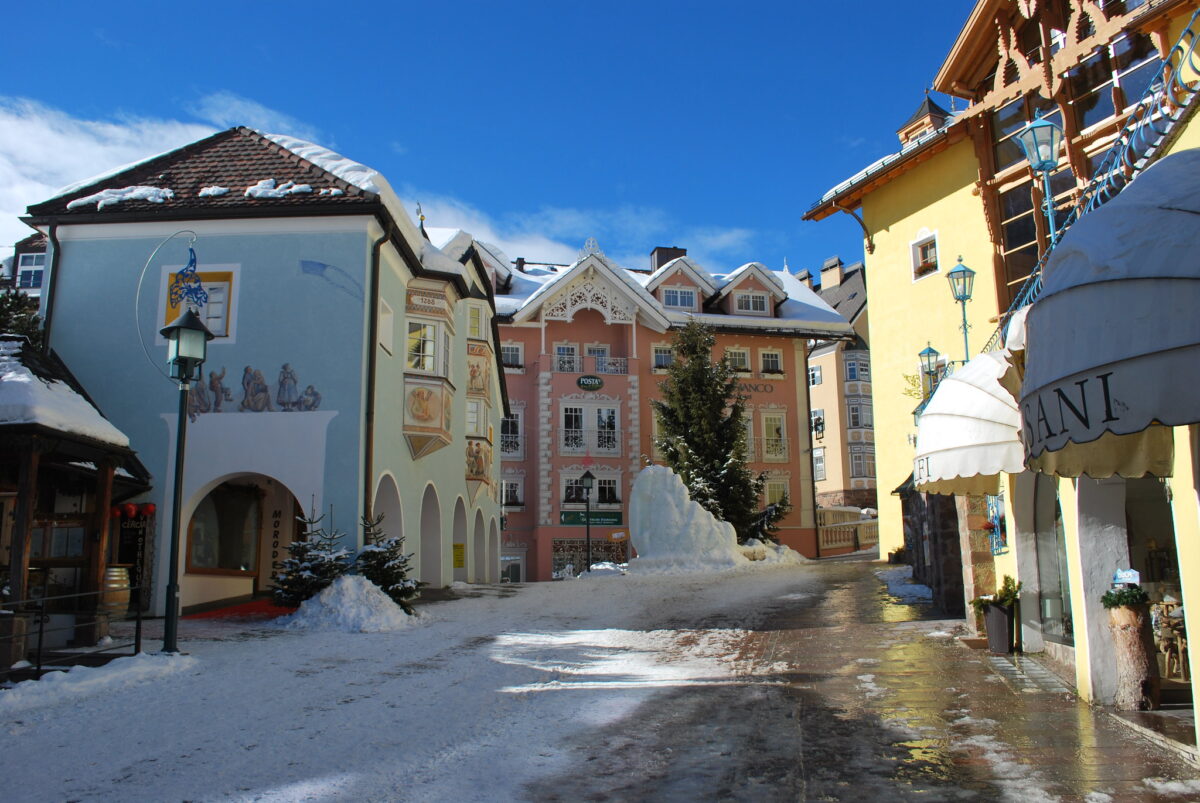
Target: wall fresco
point(214, 396)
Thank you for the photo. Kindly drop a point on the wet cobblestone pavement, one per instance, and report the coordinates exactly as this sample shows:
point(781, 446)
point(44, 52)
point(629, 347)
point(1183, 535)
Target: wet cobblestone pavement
point(855, 696)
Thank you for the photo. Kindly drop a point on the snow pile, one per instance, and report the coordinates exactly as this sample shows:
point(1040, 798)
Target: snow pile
point(86, 681)
point(1164, 786)
point(213, 191)
point(607, 569)
point(770, 554)
point(672, 533)
point(26, 399)
point(155, 195)
point(353, 604)
point(267, 189)
point(900, 585)
point(347, 170)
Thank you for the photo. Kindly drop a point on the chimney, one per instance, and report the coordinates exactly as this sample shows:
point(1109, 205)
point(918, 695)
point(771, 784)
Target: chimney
point(520, 264)
point(831, 273)
point(664, 254)
point(806, 279)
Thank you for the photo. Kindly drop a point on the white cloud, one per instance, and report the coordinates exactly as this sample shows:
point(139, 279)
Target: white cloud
point(224, 109)
point(43, 149)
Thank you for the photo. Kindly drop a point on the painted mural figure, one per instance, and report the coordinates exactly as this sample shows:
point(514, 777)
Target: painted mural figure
point(198, 401)
point(220, 393)
point(288, 394)
point(256, 396)
point(309, 400)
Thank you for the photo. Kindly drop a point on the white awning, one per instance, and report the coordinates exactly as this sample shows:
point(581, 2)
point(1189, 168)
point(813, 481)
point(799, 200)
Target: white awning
point(1113, 342)
point(969, 431)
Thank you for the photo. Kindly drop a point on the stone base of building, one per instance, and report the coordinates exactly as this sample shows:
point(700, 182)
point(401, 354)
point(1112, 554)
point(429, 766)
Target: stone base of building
point(849, 497)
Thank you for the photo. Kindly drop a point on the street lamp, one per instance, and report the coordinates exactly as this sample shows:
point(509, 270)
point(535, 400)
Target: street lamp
point(586, 482)
point(962, 280)
point(187, 347)
point(1040, 141)
point(929, 362)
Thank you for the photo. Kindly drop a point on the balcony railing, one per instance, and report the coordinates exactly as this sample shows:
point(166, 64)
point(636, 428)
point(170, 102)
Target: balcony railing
point(512, 446)
point(571, 364)
point(855, 534)
point(768, 450)
point(589, 441)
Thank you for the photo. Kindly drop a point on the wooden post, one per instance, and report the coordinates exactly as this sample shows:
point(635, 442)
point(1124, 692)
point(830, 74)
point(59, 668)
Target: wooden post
point(23, 520)
point(1138, 682)
point(92, 613)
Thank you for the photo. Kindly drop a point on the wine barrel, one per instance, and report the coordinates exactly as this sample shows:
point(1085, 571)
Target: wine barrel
point(114, 597)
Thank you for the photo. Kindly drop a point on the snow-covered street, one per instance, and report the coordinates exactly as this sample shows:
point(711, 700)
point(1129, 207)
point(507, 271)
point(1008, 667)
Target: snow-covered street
point(797, 682)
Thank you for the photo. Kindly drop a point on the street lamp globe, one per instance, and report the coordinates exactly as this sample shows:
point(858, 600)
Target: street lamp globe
point(929, 359)
point(587, 480)
point(962, 281)
point(1040, 141)
point(187, 345)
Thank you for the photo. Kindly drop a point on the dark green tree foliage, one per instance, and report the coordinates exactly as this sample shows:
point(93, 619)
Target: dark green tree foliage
point(315, 560)
point(383, 562)
point(18, 316)
point(702, 436)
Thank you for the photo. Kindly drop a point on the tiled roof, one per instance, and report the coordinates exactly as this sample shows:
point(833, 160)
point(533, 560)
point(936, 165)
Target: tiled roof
point(235, 159)
point(32, 244)
point(850, 296)
point(927, 109)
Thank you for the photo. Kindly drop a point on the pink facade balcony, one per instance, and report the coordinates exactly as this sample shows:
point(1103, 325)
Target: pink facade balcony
point(597, 364)
point(606, 442)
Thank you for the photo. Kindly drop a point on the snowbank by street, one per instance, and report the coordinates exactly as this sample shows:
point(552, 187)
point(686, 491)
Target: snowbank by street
point(900, 585)
point(353, 604)
point(84, 681)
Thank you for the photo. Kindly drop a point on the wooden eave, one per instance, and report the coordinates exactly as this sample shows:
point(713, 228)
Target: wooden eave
point(851, 197)
point(976, 40)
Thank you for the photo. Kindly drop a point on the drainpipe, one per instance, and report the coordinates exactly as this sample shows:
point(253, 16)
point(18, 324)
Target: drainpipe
point(812, 474)
point(372, 366)
point(48, 319)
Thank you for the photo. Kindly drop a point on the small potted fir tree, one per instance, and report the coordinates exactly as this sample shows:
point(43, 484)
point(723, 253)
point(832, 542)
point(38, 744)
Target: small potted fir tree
point(999, 614)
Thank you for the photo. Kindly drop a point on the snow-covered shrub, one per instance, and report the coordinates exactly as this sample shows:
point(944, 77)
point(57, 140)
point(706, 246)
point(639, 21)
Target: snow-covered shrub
point(383, 562)
point(315, 560)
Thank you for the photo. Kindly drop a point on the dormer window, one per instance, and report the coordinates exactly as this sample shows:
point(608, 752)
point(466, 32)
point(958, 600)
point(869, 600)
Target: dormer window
point(754, 303)
point(679, 298)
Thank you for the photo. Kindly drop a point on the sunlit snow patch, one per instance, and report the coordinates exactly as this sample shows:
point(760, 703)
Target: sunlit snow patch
point(85, 681)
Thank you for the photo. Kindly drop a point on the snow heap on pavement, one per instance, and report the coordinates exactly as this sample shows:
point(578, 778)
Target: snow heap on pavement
point(86, 681)
point(155, 195)
point(26, 399)
point(353, 604)
point(675, 535)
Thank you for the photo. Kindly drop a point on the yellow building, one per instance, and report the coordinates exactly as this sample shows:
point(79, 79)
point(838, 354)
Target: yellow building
point(960, 186)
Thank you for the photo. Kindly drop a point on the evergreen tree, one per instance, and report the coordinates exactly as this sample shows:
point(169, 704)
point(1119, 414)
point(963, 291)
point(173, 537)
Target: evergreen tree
point(702, 436)
point(316, 560)
point(383, 562)
point(18, 316)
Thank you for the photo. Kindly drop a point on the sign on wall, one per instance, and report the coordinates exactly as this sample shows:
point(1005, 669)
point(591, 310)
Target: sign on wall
point(599, 518)
point(460, 556)
point(589, 382)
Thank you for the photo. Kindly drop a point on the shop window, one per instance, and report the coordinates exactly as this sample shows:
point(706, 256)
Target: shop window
point(1054, 585)
point(224, 532)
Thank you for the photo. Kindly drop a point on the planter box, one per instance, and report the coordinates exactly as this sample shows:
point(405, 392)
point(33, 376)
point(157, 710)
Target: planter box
point(998, 620)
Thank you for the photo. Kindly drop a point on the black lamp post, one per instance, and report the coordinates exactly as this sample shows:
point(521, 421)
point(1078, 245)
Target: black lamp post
point(962, 280)
point(187, 347)
point(1040, 141)
point(587, 480)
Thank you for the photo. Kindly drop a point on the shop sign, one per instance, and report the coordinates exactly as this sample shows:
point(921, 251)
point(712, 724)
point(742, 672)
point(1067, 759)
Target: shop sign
point(600, 518)
point(460, 556)
point(618, 535)
point(750, 388)
point(589, 382)
point(1131, 576)
point(1074, 410)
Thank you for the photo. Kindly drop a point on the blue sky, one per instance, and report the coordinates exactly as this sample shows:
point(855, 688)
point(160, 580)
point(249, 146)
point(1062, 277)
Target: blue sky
point(711, 126)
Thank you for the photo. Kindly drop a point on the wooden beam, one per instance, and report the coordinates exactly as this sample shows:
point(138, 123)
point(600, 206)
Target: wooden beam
point(30, 459)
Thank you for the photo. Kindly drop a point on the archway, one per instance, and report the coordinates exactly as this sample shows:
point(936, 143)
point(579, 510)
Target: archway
point(431, 539)
point(460, 541)
point(387, 504)
point(493, 564)
point(236, 537)
point(479, 570)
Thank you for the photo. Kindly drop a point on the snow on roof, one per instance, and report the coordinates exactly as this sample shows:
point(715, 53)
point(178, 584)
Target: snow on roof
point(347, 170)
point(497, 259)
point(213, 192)
point(687, 265)
point(916, 143)
point(623, 275)
point(434, 259)
point(267, 189)
point(26, 398)
point(452, 242)
point(730, 279)
point(155, 195)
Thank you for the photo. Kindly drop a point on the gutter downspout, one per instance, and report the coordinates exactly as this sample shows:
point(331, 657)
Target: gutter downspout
point(48, 319)
point(372, 366)
point(812, 474)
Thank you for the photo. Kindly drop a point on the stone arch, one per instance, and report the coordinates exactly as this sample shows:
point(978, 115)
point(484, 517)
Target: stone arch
point(479, 564)
point(460, 537)
point(431, 539)
point(387, 503)
point(493, 552)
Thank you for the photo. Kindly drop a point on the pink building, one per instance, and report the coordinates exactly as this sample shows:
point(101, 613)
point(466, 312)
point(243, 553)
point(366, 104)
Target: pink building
point(585, 347)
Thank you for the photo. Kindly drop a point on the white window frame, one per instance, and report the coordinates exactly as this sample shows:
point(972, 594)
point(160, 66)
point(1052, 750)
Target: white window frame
point(776, 489)
point(427, 362)
point(519, 486)
point(862, 460)
point(660, 350)
point(612, 482)
point(387, 327)
point(567, 479)
point(679, 292)
point(859, 413)
point(217, 322)
point(34, 268)
point(741, 366)
point(520, 349)
point(589, 442)
point(519, 454)
point(924, 237)
point(567, 359)
point(814, 375)
point(476, 418)
point(813, 415)
point(775, 444)
point(818, 461)
point(746, 302)
point(762, 361)
point(476, 322)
